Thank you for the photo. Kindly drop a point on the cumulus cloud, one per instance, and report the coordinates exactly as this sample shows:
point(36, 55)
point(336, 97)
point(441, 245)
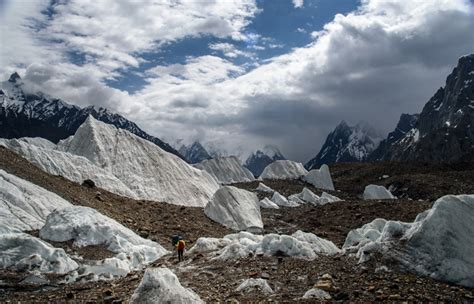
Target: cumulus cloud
point(386, 58)
point(229, 50)
point(298, 3)
point(113, 32)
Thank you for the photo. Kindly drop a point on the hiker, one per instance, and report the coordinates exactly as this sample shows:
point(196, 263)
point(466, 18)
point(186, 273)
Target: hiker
point(181, 245)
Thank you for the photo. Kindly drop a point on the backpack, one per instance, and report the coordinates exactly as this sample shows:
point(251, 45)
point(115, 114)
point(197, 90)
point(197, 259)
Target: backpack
point(175, 239)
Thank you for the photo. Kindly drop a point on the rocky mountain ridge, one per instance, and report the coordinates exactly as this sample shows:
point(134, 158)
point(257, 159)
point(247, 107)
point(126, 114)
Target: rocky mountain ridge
point(346, 144)
point(25, 114)
point(258, 160)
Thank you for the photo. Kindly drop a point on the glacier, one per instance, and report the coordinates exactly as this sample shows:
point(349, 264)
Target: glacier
point(283, 169)
point(235, 208)
point(122, 163)
point(23, 205)
point(226, 170)
point(243, 244)
point(161, 285)
point(439, 243)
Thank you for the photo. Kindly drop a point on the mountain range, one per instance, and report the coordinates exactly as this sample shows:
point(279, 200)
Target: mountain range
point(26, 114)
point(442, 132)
point(347, 144)
point(258, 160)
point(194, 153)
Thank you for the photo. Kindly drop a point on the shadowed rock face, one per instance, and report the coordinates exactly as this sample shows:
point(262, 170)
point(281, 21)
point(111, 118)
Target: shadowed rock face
point(258, 160)
point(346, 144)
point(444, 130)
point(195, 153)
point(23, 114)
point(406, 123)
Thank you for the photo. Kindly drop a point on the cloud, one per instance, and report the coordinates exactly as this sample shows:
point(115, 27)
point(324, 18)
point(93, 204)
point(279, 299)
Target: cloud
point(229, 50)
point(298, 3)
point(386, 58)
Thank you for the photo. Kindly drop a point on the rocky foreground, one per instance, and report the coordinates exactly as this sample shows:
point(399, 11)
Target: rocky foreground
point(289, 278)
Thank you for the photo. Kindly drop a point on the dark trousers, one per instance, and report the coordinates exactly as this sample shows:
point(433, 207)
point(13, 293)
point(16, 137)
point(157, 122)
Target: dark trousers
point(180, 254)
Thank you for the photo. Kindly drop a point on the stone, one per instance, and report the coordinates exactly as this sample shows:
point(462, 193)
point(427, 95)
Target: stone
point(88, 183)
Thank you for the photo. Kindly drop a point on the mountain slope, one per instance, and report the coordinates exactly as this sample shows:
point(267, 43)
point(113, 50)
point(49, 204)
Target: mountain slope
point(195, 153)
point(444, 130)
point(24, 114)
point(405, 125)
point(258, 160)
point(346, 144)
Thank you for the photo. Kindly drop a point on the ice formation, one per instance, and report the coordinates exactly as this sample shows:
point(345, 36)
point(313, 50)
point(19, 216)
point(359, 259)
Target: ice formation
point(235, 208)
point(439, 243)
point(122, 163)
point(252, 284)
point(23, 205)
point(377, 192)
point(85, 226)
point(264, 188)
point(22, 252)
point(309, 197)
point(226, 170)
point(284, 169)
point(320, 178)
point(244, 244)
point(267, 203)
point(161, 285)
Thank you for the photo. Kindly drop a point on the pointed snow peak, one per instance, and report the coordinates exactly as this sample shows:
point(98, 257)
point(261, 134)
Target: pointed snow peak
point(347, 144)
point(14, 78)
point(195, 153)
point(260, 159)
point(196, 145)
point(343, 124)
point(272, 151)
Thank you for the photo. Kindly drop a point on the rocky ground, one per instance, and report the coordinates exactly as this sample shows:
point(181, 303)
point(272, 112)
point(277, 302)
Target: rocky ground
point(215, 281)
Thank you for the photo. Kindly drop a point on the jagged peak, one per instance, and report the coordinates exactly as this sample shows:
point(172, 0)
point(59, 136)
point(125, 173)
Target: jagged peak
point(467, 56)
point(14, 77)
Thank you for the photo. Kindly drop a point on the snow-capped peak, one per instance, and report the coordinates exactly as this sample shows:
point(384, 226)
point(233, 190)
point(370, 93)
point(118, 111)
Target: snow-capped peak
point(273, 152)
point(347, 144)
point(14, 77)
point(195, 153)
point(258, 160)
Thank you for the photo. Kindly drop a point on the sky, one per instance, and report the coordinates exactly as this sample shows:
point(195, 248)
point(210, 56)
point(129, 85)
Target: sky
point(238, 75)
